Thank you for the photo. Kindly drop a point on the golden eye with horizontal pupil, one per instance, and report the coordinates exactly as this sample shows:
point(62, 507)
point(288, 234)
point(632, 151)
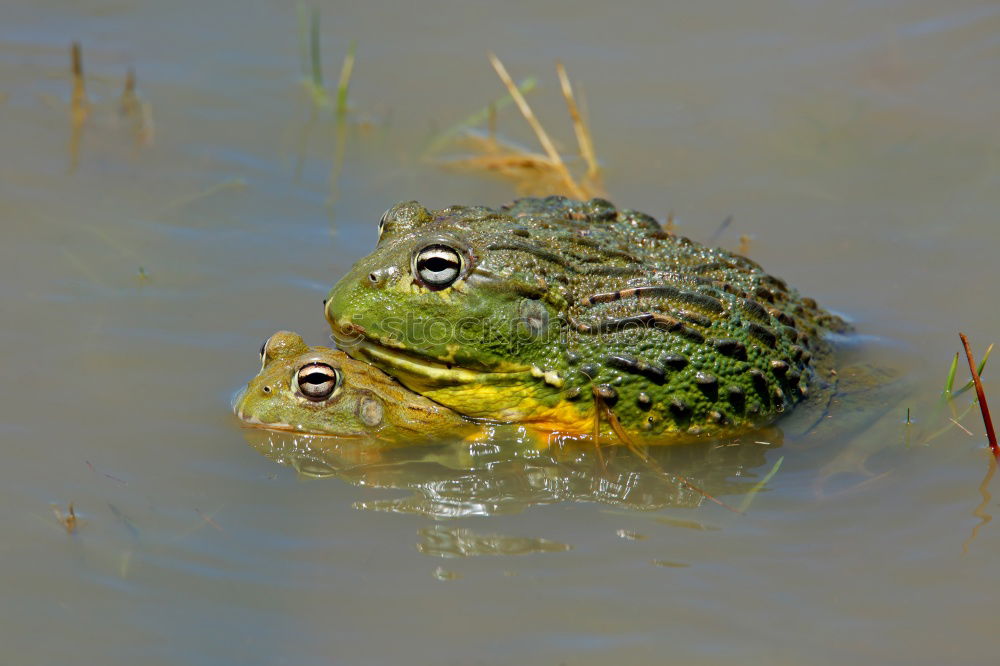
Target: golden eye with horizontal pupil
point(317, 381)
point(437, 266)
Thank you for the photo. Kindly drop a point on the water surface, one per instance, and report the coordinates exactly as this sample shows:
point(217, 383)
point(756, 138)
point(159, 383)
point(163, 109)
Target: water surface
point(855, 143)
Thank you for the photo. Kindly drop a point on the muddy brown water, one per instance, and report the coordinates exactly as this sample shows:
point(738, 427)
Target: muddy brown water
point(856, 143)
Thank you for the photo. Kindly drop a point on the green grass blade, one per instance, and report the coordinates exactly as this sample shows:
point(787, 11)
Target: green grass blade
point(312, 58)
point(979, 371)
point(345, 80)
point(949, 383)
point(479, 117)
point(316, 58)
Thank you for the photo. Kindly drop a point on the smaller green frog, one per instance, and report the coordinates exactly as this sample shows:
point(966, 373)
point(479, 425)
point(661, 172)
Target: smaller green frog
point(321, 391)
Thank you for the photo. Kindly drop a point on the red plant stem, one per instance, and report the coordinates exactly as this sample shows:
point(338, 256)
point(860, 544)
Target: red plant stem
point(987, 420)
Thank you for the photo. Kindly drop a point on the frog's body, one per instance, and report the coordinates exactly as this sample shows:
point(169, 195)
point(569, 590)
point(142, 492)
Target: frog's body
point(321, 391)
point(570, 315)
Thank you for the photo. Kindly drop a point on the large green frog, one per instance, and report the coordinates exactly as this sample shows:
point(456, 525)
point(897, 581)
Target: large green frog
point(321, 391)
point(576, 316)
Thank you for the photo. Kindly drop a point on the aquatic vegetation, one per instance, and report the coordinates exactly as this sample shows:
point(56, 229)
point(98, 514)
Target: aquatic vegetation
point(580, 128)
point(555, 160)
point(981, 395)
point(949, 382)
point(345, 79)
point(135, 111)
point(949, 385)
point(531, 173)
point(486, 114)
point(948, 396)
point(311, 61)
point(980, 510)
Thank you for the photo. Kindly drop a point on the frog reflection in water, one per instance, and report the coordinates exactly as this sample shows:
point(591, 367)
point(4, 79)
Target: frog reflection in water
point(507, 473)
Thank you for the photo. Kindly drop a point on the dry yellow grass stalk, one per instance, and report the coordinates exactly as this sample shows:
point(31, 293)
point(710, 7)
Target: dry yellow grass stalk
point(583, 138)
point(543, 137)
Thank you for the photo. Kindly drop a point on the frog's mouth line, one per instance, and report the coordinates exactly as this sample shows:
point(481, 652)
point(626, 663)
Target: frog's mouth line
point(248, 422)
point(411, 365)
point(251, 423)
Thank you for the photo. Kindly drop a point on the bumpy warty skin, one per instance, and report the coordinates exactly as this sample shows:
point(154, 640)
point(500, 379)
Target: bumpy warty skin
point(562, 312)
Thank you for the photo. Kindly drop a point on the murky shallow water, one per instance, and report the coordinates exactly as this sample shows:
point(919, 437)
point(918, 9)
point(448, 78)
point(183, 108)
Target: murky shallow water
point(856, 142)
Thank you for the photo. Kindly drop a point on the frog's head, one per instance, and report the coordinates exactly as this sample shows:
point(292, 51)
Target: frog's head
point(462, 304)
point(318, 390)
point(303, 389)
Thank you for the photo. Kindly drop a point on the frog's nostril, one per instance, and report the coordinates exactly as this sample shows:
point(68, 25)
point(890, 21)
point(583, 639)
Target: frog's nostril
point(380, 277)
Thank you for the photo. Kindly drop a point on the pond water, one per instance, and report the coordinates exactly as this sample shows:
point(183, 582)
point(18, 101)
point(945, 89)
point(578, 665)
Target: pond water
point(855, 143)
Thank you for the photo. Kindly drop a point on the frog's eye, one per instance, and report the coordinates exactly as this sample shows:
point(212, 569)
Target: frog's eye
point(317, 381)
point(437, 266)
point(263, 348)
